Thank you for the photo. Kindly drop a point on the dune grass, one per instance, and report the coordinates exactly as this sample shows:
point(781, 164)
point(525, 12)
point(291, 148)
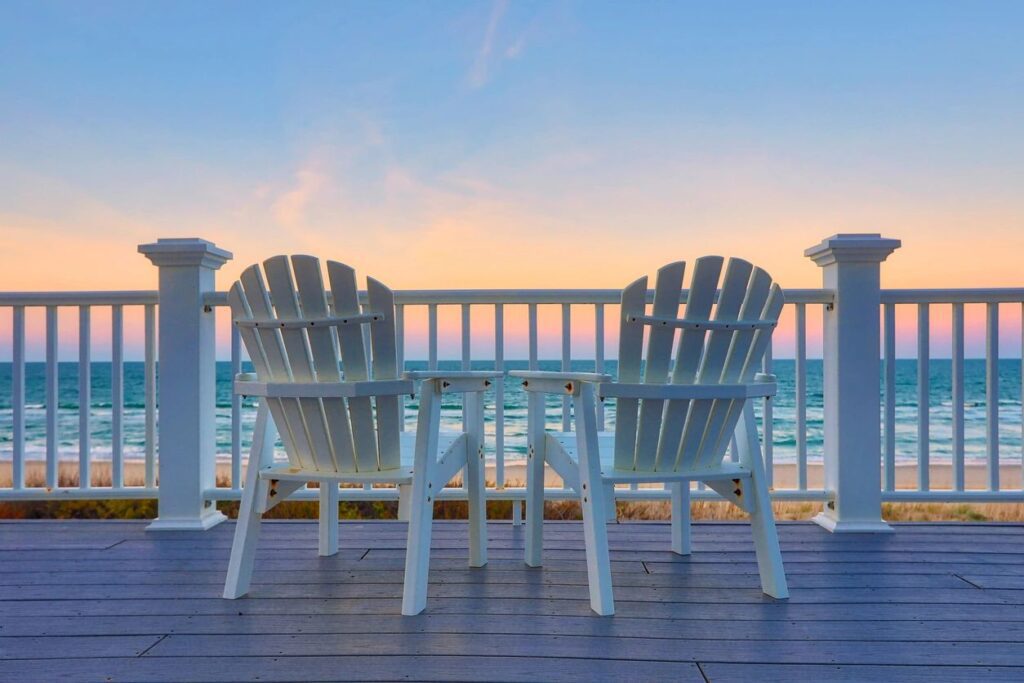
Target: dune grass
point(558, 510)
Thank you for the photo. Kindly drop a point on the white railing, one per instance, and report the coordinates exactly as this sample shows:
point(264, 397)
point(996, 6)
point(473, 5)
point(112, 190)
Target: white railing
point(85, 303)
point(566, 302)
point(925, 300)
point(186, 334)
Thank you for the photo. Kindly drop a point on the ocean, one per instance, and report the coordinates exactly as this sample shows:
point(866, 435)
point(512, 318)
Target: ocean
point(784, 437)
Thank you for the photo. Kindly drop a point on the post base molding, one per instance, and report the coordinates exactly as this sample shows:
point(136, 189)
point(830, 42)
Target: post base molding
point(202, 523)
point(853, 527)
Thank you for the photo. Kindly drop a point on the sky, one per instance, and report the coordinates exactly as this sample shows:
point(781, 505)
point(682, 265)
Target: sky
point(512, 144)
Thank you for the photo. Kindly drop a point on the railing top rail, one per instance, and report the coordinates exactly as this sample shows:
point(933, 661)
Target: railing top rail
point(536, 296)
point(124, 298)
point(953, 296)
point(523, 296)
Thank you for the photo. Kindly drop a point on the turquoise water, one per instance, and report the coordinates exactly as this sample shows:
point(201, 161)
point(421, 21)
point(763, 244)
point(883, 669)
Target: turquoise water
point(940, 408)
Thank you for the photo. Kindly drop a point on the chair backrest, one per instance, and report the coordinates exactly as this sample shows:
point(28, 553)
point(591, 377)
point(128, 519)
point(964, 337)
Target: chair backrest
point(723, 346)
point(322, 434)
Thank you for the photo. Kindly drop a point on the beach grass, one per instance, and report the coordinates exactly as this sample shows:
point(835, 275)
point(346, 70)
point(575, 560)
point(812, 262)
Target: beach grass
point(564, 510)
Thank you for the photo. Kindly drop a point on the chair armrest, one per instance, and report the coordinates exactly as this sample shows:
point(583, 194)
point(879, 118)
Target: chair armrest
point(456, 381)
point(567, 376)
point(557, 382)
point(386, 387)
point(692, 392)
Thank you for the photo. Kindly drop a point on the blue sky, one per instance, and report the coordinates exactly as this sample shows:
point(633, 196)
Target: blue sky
point(511, 133)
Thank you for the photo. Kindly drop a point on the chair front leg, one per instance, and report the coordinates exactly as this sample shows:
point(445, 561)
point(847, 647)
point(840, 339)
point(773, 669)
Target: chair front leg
point(534, 546)
point(762, 519)
point(254, 495)
point(595, 531)
point(421, 504)
point(474, 478)
point(328, 519)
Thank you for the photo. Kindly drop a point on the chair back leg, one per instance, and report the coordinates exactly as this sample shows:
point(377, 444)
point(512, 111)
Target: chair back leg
point(681, 517)
point(404, 492)
point(328, 519)
point(592, 491)
point(762, 520)
point(611, 514)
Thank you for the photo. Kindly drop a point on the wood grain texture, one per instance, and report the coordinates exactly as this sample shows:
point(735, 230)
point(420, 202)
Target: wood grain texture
point(105, 600)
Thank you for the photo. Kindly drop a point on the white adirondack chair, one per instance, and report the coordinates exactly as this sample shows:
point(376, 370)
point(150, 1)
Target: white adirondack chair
point(342, 425)
point(674, 421)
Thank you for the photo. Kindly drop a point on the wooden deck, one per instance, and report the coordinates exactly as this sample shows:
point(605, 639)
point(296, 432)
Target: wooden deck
point(106, 601)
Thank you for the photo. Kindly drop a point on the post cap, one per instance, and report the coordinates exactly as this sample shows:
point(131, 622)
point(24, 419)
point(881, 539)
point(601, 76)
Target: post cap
point(852, 248)
point(185, 251)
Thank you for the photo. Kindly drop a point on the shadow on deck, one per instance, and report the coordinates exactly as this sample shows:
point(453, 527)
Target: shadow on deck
point(100, 601)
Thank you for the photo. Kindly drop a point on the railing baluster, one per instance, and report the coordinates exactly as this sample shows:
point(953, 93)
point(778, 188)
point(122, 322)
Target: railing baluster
point(236, 412)
point(499, 396)
point(889, 452)
point(117, 396)
point(432, 336)
point(84, 396)
point(769, 423)
point(958, 396)
point(566, 359)
point(467, 341)
point(52, 397)
point(532, 333)
point(400, 353)
point(923, 399)
point(801, 397)
point(992, 394)
point(533, 365)
point(150, 383)
point(599, 356)
point(18, 397)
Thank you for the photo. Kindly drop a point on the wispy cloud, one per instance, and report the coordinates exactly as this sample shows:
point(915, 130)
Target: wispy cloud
point(480, 72)
point(290, 207)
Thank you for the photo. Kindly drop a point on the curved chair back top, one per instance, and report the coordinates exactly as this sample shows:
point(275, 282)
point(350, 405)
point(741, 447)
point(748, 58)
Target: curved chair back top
point(716, 341)
point(295, 331)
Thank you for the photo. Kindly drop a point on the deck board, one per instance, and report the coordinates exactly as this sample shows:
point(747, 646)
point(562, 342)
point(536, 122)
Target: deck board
point(95, 600)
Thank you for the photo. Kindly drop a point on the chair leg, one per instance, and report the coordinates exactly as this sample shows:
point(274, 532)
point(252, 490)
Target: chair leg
point(681, 517)
point(762, 519)
point(243, 548)
point(534, 546)
point(254, 496)
point(421, 508)
point(417, 555)
point(404, 492)
point(611, 514)
point(592, 490)
point(474, 478)
point(328, 519)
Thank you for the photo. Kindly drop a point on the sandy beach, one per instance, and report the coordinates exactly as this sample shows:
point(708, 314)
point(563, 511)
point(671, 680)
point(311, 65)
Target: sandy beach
point(941, 475)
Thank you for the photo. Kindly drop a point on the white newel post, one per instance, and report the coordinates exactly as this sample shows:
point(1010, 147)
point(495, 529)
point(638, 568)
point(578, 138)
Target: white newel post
point(850, 265)
point(187, 385)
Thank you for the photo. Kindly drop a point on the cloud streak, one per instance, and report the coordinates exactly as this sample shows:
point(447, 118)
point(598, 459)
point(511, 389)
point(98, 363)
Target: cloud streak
point(480, 72)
